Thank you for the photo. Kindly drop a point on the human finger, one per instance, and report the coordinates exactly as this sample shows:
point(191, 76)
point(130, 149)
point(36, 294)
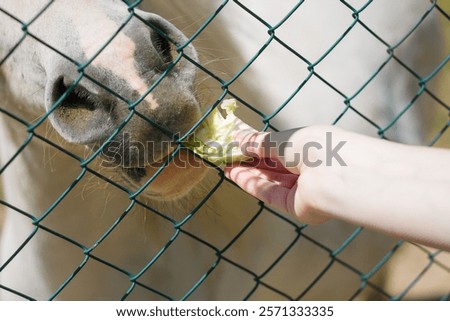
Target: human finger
point(273, 192)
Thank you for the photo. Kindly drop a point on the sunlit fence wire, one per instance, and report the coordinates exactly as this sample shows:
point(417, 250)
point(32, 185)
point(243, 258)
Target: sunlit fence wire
point(179, 226)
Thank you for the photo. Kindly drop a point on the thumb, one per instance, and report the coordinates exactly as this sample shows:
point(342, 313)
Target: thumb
point(274, 145)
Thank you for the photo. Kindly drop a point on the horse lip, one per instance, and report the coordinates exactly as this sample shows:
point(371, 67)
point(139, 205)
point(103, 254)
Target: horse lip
point(137, 173)
point(160, 162)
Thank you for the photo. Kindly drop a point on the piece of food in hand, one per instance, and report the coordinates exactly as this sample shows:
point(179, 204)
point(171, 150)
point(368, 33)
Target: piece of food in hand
point(214, 140)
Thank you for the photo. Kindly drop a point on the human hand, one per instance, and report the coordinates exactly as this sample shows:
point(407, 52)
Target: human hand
point(279, 174)
point(382, 185)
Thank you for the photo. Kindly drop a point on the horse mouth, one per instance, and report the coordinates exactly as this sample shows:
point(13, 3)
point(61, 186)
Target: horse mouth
point(171, 177)
point(137, 174)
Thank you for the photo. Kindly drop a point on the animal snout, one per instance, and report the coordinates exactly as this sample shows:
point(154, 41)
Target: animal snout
point(146, 96)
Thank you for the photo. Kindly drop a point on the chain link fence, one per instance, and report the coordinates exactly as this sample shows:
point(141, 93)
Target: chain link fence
point(182, 257)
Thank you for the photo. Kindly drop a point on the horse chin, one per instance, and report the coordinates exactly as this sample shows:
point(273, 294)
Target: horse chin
point(171, 179)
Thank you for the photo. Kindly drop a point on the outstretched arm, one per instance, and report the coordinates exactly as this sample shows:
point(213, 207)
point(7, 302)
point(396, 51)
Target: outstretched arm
point(323, 172)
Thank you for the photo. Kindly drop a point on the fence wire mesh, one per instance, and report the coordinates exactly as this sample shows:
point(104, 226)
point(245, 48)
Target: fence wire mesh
point(180, 230)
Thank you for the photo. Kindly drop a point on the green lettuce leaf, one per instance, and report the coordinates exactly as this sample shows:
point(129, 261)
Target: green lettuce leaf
point(214, 138)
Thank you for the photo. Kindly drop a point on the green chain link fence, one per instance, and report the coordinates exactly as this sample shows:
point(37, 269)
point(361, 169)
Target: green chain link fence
point(179, 226)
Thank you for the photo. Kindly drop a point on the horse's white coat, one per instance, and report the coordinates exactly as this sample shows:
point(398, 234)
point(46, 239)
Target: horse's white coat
point(40, 174)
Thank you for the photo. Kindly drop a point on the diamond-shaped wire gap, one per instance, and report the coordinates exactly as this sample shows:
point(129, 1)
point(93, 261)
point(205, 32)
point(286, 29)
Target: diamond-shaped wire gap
point(245, 248)
point(418, 278)
point(219, 228)
point(416, 273)
point(220, 256)
point(79, 159)
point(22, 240)
point(283, 75)
point(403, 52)
point(258, 282)
point(310, 39)
point(432, 116)
point(367, 262)
point(304, 261)
point(89, 258)
point(398, 88)
point(260, 285)
point(42, 171)
point(214, 63)
point(26, 138)
point(91, 280)
point(365, 278)
point(134, 284)
point(135, 240)
point(368, 125)
point(288, 69)
point(185, 273)
point(261, 260)
point(336, 260)
point(62, 196)
point(259, 28)
point(229, 283)
point(214, 89)
point(80, 268)
point(57, 252)
point(431, 57)
point(205, 276)
point(357, 242)
point(343, 261)
point(395, 31)
point(220, 259)
point(307, 108)
point(106, 203)
point(343, 68)
point(340, 289)
point(402, 113)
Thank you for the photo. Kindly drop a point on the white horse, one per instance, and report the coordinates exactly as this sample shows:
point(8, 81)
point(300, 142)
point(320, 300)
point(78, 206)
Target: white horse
point(77, 229)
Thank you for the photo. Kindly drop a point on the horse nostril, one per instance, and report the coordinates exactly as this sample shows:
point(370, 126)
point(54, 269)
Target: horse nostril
point(166, 38)
point(78, 115)
point(78, 97)
point(163, 47)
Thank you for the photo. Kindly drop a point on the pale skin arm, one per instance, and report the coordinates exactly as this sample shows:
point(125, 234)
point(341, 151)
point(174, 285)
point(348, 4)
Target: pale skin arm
point(398, 189)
